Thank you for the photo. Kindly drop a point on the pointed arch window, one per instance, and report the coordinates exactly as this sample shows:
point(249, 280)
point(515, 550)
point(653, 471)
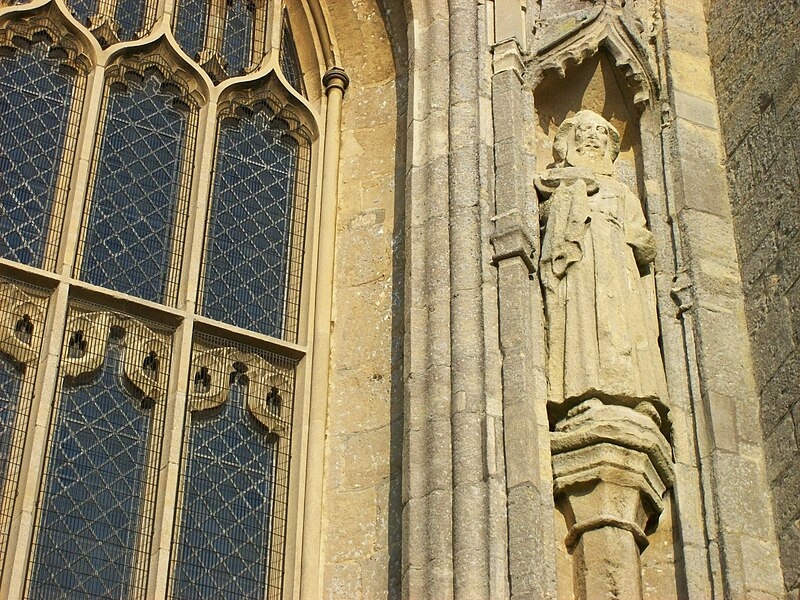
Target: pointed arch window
point(214, 259)
point(226, 37)
point(40, 99)
point(136, 218)
point(232, 498)
point(95, 517)
point(256, 225)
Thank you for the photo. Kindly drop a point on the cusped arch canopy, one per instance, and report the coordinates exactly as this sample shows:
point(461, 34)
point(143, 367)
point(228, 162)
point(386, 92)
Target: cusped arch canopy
point(574, 37)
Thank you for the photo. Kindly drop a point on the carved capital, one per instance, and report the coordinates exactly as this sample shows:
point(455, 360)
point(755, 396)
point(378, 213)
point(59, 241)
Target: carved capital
point(507, 56)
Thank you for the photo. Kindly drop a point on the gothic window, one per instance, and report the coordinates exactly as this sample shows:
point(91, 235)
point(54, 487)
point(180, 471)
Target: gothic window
point(254, 246)
point(95, 519)
point(22, 314)
point(290, 63)
point(232, 499)
point(153, 220)
point(39, 98)
point(226, 37)
point(136, 217)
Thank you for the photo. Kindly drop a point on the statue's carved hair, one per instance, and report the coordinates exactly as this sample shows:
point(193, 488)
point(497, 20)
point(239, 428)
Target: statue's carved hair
point(566, 135)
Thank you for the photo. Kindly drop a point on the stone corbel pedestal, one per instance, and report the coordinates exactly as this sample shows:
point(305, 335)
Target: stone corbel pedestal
point(611, 468)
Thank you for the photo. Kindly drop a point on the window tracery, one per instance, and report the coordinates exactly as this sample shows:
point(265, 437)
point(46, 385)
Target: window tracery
point(255, 232)
point(95, 519)
point(136, 218)
point(226, 37)
point(149, 230)
point(228, 536)
point(42, 83)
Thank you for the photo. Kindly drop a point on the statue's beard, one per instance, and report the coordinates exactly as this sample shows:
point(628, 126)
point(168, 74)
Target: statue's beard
point(591, 152)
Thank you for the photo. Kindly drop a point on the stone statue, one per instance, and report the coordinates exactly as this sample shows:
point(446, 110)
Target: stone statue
point(612, 462)
point(595, 258)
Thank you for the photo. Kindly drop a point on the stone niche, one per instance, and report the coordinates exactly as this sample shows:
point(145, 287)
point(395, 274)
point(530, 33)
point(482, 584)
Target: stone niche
point(593, 477)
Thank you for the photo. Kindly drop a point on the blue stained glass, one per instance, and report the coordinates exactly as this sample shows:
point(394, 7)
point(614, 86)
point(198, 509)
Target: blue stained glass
point(10, 384)
point(238, 39)
point(190, 25)
point(290, 63)
point(83, 9)
point(130, 18)
point(93, 496)
point(137, 186)
point(224, 531)
point(249, 229)
point(35, 103)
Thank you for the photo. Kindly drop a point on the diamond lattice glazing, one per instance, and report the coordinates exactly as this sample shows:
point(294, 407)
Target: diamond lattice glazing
point(95, 495)
point(289, 61)
point(136, 221)
point(35, 104)
point(227, 499)
point(249, 231)
point(238, 39)
point(190, 25)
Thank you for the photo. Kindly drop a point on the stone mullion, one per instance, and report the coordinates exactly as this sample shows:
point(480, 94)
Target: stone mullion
point(525, 425)
point(12, 585)
point(169, 462)
point(468, 355)
point(82, 173)
point(726, 403)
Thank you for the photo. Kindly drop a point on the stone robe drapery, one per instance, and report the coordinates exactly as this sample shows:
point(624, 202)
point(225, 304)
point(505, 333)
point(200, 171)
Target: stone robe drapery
point(602, 325)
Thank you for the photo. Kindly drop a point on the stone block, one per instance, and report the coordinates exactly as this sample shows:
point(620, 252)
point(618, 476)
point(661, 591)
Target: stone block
point(350, 532)
point(780, 448)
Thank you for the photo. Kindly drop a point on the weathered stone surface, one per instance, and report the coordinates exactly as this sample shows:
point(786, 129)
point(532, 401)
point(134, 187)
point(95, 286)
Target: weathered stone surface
point(754, 57)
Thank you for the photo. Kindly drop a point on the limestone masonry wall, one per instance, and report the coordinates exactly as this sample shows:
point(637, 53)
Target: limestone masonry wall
point(755, 51)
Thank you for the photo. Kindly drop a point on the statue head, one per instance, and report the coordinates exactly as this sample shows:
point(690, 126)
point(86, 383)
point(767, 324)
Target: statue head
point(587, 140)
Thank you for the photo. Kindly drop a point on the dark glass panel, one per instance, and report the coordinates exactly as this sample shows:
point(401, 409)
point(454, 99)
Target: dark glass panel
point(134, 210)
point(130, 18)
point(223, 544)
point(83, 9)
point(238, 39)
point(35, 104)
point(190, 25)
point(95, 491)
point(249, 232)
point(290, 63)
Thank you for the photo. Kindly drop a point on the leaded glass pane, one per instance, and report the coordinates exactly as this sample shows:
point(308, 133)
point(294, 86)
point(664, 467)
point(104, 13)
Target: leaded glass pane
point(190, 25)
point(290, 63)
point(93, 529)
point(255, 230)
point(238, 39)
point(136, 222)
point(231, 521)
point(36, 97)
point(22, 314)
point(125, 19)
